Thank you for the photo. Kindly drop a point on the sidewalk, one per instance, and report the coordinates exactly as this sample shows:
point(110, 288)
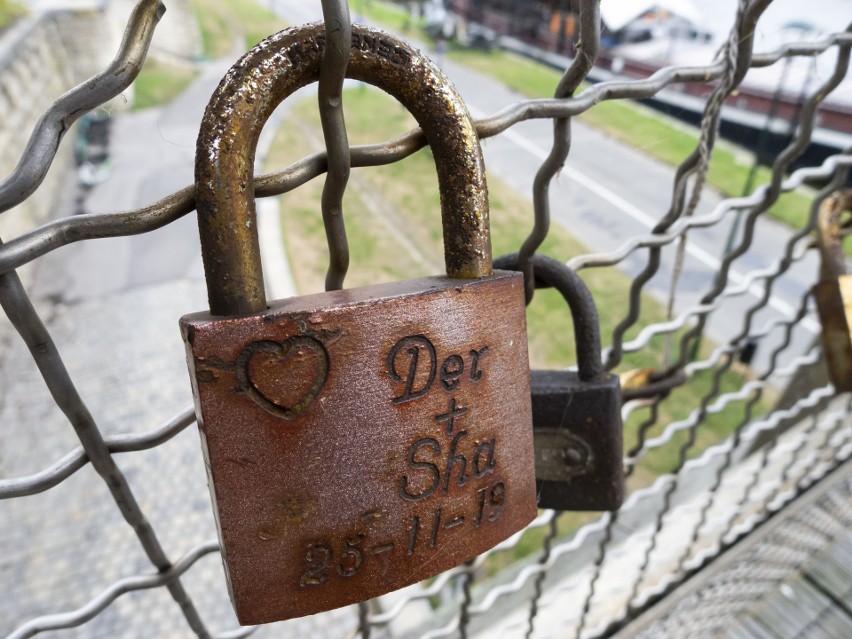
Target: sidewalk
point(113, 308)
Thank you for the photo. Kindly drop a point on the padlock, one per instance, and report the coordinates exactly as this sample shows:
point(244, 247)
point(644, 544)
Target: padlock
point(356, 441)
point(833, 292)
point(647, 383)
point(577, 425)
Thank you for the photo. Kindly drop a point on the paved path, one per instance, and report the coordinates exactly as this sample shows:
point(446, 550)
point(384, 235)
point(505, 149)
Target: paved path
point(113, 308)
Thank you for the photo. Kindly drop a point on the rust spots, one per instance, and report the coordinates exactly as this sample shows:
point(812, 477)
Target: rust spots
point(206, 377)
point(373, 516)
point(296, 509)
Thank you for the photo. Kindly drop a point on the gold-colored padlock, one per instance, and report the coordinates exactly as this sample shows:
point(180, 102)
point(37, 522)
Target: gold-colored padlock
point(361, 440)
point(834, 291)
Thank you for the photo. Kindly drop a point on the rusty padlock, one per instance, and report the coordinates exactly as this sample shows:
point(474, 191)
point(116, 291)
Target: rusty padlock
point(833, 292)
point(361, 440)
point(577, 425)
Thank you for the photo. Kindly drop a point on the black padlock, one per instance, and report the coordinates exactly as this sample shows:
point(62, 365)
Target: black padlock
point(577, 426)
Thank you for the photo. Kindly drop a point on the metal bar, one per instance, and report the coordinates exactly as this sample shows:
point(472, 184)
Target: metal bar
point(338, 39)
point(587, 49)
point(584, 314)
point(247, 97)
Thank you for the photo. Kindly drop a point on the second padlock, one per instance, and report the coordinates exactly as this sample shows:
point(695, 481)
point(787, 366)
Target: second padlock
point(577, 425)
point(833, 292)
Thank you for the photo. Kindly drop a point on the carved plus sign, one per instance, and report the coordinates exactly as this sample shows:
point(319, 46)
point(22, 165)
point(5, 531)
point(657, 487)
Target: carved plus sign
point(450, 416)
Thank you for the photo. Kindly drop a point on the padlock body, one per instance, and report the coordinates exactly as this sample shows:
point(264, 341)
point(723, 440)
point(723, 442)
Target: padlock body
point(362, 440)
point(834, 303)
point(578, 440)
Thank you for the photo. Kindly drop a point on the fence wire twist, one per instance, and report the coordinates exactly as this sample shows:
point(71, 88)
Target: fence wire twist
point(819, 440)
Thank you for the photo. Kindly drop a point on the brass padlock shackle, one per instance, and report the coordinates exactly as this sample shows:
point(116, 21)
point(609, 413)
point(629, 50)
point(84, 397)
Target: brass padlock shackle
point(247, 96)
point(830, 234)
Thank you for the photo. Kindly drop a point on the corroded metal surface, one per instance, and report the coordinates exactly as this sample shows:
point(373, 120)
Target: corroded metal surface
point(578, 438)
point(834, 292)
point(362, 440)
point(245, 99)
point(576, 414)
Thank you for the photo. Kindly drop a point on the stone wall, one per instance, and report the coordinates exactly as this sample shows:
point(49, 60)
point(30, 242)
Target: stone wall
point(33, 72)
point(42, 57)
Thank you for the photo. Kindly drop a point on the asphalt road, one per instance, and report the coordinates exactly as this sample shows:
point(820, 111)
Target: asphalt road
point(609, 193)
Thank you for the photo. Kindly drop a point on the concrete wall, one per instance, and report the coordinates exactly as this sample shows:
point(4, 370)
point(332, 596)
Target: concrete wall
point(45, 55)
point(33, 72)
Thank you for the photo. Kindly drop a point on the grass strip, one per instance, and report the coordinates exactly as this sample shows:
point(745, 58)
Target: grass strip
point(159, 83)
point(10, 12)
point(223, 21)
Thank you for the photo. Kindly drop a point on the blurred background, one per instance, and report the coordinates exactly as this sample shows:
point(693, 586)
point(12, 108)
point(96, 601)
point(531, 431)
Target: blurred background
point(738, 505)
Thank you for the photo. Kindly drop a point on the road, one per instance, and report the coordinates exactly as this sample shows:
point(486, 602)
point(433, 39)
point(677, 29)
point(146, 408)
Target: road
point(609, 193)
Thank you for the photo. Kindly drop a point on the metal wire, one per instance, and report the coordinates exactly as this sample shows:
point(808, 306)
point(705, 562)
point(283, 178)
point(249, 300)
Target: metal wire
point(44, 141)
point(76, 459)
point(129, 584)
point(587, 48)
point(338, 38)
point(29, 326)
point(58, 233)
point(709, 130)
point(724, 494)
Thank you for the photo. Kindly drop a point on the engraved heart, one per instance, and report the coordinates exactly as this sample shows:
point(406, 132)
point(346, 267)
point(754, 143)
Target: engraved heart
point(283, 378)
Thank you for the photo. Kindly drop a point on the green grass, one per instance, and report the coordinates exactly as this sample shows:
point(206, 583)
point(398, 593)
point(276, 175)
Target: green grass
point(671, 143)
point(222, 21)
point(10, 12)
point(393, 16)
point(159, 83)
point(524, 76)
point(638, 126)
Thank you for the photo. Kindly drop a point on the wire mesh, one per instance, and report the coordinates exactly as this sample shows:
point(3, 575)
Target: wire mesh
point(591, 581)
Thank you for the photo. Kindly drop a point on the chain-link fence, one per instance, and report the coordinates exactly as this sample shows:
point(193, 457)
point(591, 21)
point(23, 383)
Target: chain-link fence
point(557, 577)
